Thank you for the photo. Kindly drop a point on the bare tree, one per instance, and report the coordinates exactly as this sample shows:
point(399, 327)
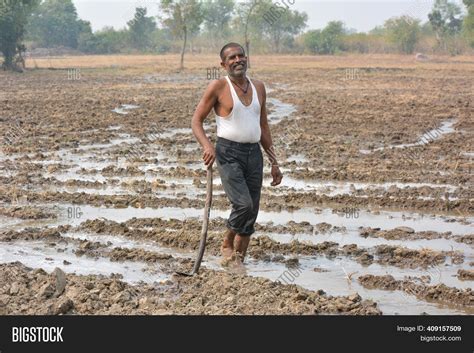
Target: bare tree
point(183, 18)
point(246, 12)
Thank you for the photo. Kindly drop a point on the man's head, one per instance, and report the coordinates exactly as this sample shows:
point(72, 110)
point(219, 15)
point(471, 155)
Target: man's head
point(234, 60)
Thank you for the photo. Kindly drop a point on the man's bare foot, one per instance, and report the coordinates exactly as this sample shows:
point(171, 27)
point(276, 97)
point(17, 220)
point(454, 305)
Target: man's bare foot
point(226, 252)
point(226, 261)
point(227, 247)
point(238, 263)
point(234, 263)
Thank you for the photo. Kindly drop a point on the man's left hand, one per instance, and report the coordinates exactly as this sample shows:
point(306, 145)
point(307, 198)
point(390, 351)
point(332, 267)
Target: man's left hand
point(277, 176)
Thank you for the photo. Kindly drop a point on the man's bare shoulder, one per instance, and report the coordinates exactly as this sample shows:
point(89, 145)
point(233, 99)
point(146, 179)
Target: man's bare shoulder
point(216, 86)
point(259, 85)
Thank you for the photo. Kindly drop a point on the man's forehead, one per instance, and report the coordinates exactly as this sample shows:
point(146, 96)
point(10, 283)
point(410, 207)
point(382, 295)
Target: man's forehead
point(233, 51)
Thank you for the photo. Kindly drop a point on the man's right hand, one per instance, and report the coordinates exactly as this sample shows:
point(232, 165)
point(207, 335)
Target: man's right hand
point(209, 155)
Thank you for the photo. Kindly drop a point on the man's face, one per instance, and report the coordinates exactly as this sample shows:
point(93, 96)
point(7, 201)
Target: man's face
point(235, 62)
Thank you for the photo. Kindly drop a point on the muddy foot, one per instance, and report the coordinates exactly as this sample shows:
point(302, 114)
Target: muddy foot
point(226, 261)
point(227, 256)
point(234, 263)
point(226, 251)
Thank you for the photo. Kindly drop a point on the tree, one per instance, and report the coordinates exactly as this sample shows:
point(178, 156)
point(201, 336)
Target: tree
point(141, 29)
point(468, 24)
point(162, 39)
point(106, 41)
point(217, 15)
point(14, 16)
point(326, 41)
point(357, 42)
point(183, 18)
point(446, 20)
point(55, 23)
point(282, 26)
point(246, 19)
point(312, 41)
point(404, 32)
point(333, 34)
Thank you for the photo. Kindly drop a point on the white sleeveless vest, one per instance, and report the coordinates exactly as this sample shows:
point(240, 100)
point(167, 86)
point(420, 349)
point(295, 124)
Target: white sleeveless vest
point(243, 122)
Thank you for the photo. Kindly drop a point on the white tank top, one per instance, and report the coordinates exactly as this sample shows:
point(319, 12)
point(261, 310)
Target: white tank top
point(243, 122)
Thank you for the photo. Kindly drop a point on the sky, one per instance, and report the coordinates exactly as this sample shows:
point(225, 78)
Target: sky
point(356, 14)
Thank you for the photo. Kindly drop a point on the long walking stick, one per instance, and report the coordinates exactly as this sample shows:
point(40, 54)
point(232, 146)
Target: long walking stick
point(205, 225)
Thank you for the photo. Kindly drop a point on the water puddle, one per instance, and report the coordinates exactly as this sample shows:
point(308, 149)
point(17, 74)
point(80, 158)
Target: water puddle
point(114, 128)
point(123, 109)
point(333, 188)
point(353, 237)
point(298, 158)
point(429, 136)
point(334, 281)
point(169, 133)
point(37, 254)
point(279, 110)
point(382, 219)
point(390, 302)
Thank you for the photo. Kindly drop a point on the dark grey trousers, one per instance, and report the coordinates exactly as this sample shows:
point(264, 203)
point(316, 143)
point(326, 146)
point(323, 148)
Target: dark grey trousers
point(240, 166)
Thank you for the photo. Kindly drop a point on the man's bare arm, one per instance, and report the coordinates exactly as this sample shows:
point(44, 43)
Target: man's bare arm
point(266, 140)
point(203, 109)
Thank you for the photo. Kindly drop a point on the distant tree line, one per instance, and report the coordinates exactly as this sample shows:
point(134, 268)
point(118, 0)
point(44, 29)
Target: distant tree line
point(204, 25)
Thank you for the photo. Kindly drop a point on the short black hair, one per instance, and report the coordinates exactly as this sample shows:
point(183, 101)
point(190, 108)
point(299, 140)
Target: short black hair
point(229, 45)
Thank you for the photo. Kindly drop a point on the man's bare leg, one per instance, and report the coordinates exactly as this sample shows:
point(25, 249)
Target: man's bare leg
point(227, 248)
point(241, 244)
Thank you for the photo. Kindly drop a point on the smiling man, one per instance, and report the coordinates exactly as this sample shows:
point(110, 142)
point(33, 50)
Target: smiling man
point(241, 117)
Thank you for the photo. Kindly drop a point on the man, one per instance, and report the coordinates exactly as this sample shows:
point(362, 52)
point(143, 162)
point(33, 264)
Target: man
point(241, 117)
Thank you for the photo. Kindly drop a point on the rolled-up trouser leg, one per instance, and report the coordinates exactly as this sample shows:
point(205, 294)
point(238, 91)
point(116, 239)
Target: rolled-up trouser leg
point(241, 169)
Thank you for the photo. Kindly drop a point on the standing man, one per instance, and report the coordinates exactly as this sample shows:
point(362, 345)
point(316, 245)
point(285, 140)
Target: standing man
point(241, 117)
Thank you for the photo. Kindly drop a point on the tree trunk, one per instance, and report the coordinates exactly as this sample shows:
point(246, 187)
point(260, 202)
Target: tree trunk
point(8, 63)
point(247, 41)
point(181, 67)
point(247, 51)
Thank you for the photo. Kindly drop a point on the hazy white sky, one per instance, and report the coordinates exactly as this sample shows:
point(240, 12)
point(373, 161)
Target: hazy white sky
point(362, 15)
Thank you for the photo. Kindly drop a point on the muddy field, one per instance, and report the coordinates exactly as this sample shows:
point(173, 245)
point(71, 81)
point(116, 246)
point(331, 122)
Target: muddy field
point(103, 189)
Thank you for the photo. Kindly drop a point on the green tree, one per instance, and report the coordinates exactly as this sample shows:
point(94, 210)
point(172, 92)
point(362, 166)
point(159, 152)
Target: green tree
point(446, 20)
point(468, 24)
point(404, 32)
point(217, 15)
point(279, 23)
point(333, 34)
point(106, 41)
point(14, 16)
point(162, 40)
point(183, 18)
point(313, 42)
point(55, 23)
point(141, 30)
point(378, 31)
point(356, 42)
point(326, 41)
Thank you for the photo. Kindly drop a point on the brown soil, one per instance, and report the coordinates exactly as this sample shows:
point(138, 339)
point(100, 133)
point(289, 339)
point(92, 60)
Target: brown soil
point(27, 291)
point(394, 101)
point(439, 292)
point(466, 275)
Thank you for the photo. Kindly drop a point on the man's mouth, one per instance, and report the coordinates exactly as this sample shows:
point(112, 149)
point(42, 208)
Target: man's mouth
point(239, 66)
